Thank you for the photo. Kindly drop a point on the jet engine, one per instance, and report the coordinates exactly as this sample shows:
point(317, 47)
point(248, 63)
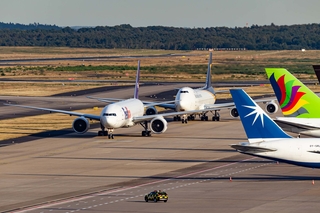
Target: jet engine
point(81, 125)
point(234, 113)
point(158, 125)
point(151, 111)
point(271, 107)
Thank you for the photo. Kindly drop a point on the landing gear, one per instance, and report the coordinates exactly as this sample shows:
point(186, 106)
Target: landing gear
point(216, 116)
point(204, 117)
point(184, 119)
point(146, 131)
point(103, 132)
point(108, 133)
point(191, 118)
point(177, 118)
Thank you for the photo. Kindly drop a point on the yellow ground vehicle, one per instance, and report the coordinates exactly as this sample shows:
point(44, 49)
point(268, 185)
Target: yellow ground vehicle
point(156, 196)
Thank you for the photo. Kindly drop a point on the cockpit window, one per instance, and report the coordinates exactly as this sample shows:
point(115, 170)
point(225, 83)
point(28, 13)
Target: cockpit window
point(109, 114)
point(184, 91)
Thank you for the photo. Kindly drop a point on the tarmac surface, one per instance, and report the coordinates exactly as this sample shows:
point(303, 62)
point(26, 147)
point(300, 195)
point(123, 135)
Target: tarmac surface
point(193, 162)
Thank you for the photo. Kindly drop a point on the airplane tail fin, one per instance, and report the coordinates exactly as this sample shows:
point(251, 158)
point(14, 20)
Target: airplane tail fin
point(208, 83)
point(256, 123)
point(316, 69)
point(295, 99)
point(136, 88)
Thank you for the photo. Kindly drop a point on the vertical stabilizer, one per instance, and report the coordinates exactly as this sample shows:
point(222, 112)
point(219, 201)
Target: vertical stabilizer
point(316, 69)
point(136, 88)
point(208, 85)
point(256, 123)
point(295, 98)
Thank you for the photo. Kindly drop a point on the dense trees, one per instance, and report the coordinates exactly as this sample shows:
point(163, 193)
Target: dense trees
point(158, 37)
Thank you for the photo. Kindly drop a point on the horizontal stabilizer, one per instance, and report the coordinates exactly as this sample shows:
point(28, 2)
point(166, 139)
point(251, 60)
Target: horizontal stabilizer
point(316, 152)
point(251, 149)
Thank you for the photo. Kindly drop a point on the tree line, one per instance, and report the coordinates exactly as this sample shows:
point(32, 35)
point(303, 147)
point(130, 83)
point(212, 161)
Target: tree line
point(267, 37)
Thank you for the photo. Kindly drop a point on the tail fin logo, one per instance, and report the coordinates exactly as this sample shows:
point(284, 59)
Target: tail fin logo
point(258, 112)
point(290, 98)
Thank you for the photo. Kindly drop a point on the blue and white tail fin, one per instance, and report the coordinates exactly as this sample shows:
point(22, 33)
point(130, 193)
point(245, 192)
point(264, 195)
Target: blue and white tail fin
point(208, 83)
point(256, 123)
point(136, 88)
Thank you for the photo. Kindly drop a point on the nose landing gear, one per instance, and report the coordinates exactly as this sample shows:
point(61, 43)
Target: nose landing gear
point(108, 133)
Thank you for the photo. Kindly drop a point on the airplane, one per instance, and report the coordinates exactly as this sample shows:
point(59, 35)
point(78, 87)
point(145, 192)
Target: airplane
point(267, 140)
point(298, 103)
point(120, 114)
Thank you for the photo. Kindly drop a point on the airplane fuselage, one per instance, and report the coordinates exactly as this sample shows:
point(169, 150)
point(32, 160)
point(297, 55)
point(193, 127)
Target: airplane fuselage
point(120, 114)
point(298, 151)
point(188, 99)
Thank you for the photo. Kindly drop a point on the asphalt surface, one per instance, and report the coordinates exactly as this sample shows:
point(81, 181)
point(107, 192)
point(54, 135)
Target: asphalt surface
point(193, 162)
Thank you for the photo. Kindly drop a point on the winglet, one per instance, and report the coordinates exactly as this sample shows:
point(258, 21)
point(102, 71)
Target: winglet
point(295, 98)
point(256, 123)
point(136, 89)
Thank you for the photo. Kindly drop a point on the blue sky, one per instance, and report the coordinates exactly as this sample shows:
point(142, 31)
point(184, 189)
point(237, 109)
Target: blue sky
point(177, 13)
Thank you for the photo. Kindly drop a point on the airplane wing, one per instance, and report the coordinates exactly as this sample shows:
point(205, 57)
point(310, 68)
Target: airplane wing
point(165, 104)
point(224, 105)
point(161, 104)
point(231, 104)
point(107, 100)
point(150, 117)
point(89, 116)
point(251, 149)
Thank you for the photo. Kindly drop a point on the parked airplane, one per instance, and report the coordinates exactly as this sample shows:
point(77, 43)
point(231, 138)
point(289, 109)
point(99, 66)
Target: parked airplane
point(267, 140)
point(124, 113)
point(188, 99)
point(298, 103)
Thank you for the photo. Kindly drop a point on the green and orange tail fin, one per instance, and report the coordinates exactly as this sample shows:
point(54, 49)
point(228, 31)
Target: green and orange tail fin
point(295, 98)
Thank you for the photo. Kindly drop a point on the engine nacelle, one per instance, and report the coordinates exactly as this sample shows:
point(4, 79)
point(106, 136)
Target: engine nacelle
point(151, 111)
point(271, 107)
point(158, 125)
point(234, 113)
point(81, 125)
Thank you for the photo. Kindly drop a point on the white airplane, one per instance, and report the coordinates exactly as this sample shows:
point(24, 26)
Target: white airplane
point(188, 99)
point(299, 105)
point(124, 113)
point(267, 140)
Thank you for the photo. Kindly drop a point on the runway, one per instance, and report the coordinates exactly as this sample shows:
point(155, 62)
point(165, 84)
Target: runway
point(192, 162)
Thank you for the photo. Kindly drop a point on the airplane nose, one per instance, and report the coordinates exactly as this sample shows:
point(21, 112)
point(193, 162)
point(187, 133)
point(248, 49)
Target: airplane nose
point(108, 122)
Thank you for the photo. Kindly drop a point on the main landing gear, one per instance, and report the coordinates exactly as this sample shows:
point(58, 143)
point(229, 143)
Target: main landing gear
point(203, 117)
point(216, 116)
point(177, 118)
point(146, 131)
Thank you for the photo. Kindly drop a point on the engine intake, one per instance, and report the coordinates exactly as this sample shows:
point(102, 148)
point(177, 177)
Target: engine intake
point(234, 112)
point(271, 107)
point(151, 111)
point(81, 125)
point(158, 125)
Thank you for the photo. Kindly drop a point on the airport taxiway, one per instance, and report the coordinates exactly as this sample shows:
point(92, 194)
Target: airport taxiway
point(192, 162)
